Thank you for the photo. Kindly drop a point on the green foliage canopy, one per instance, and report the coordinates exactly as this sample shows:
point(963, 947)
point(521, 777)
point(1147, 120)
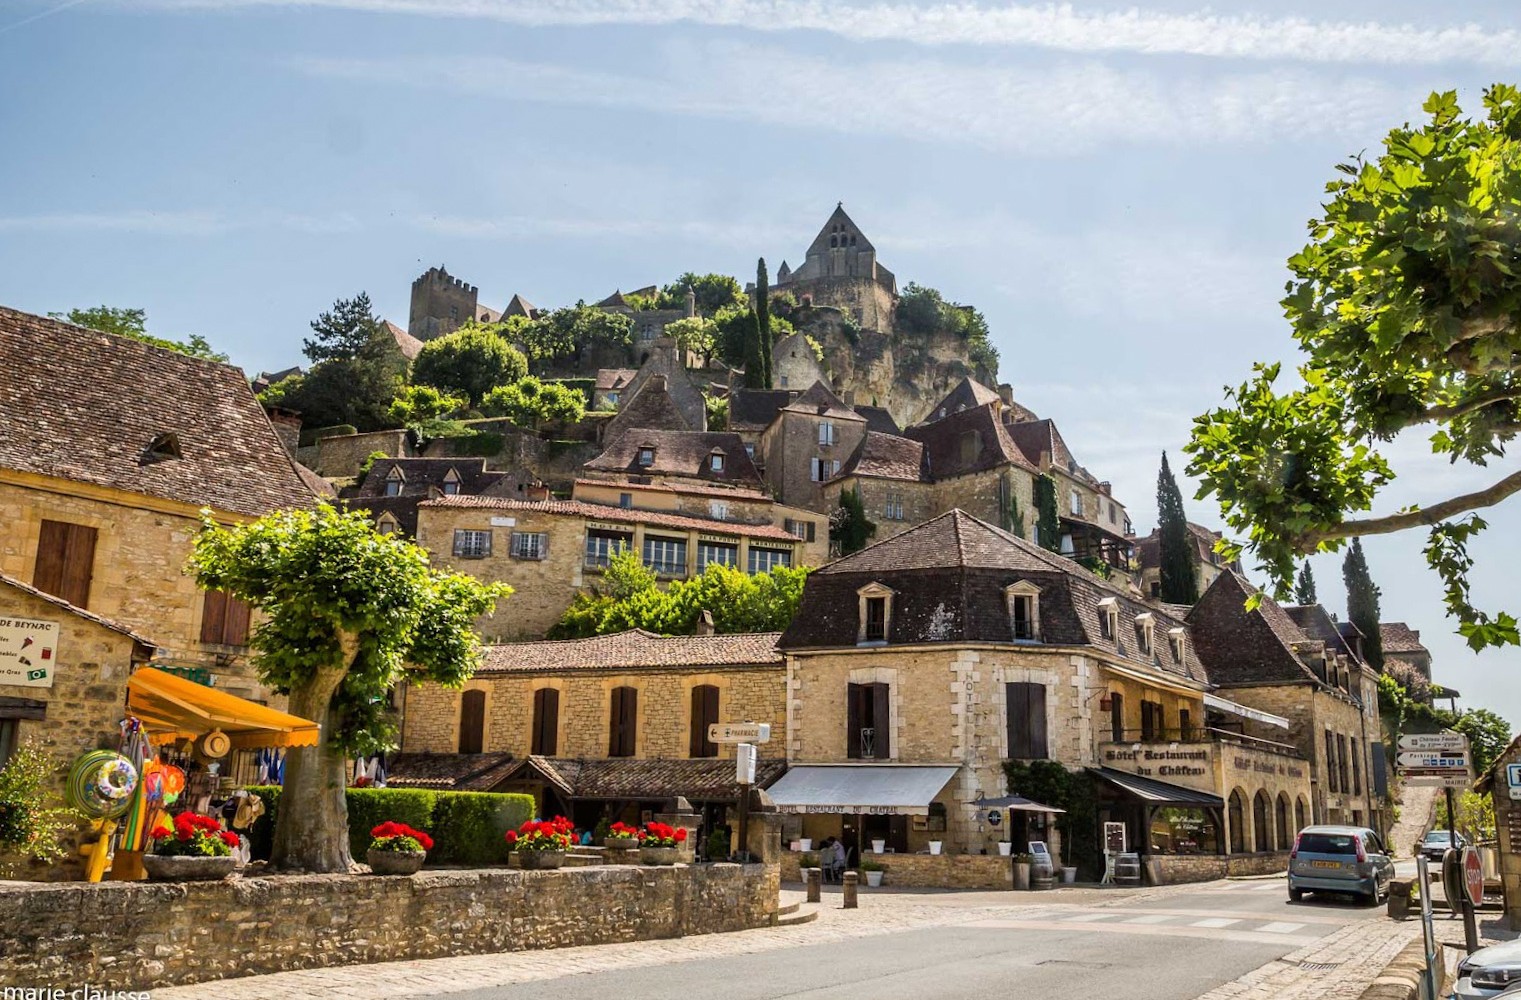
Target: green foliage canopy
point(924, 312)
point(713, 292)
point(417, 403)
point(32, 818)
point(1179, 586)
point(564, 333)
point(849, 527)
point(1048, 526)
point(1362, 603)
point(1404, 303)
point(528, 402)
point(134, 323)
point(469, 362)
point(1304, 586)
point(1488, 736)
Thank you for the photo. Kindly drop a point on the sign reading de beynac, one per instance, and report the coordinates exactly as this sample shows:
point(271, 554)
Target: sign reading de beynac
point(28, 652)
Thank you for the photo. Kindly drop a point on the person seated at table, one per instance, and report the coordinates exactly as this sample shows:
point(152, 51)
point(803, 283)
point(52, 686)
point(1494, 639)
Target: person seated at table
point(829, 860)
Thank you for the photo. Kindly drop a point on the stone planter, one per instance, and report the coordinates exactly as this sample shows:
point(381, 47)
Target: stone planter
point(873, 879)
point(1069, 874)
point(659, 855)
point(878, 846)
point(540, 860)
point(1021, 875)
point(395, 862)
point(173, 868)
point(623, 850)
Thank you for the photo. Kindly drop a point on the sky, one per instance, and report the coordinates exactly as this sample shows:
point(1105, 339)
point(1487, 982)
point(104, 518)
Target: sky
point(1115, 187)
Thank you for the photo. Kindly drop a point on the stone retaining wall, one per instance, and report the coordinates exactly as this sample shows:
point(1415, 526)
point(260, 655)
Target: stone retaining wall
point(929, 871)
point(1176, 868)
point(139, 935)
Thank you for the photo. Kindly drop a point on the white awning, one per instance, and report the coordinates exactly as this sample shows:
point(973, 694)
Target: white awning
point(875, 789)
point(1226, 705)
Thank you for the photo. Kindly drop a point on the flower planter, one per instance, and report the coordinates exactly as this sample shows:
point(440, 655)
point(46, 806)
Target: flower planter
point(659, 855)
point(186, 868)
point(1069, 874)
point(540, 860)
point(806, 844)
point(622, 850)
point(878, 846)
point(873, 879)
point(1005, 848)
point(395, 862)
point(935, 846)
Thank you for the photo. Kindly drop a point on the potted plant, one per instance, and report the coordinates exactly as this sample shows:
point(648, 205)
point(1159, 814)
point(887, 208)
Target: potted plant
point(878, 846)
point(195, 848)
point(935, 846)
point(397, 849)
point(660, 844)
point(540, 844)
point(1022, 871)
point(1006, 848)
point(600, 831)
point(873, 871)
point(718, 845)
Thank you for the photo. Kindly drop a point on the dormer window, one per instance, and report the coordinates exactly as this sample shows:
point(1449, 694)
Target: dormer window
point(395, 480)
point(1022, 601)
point(876, 607)
point(164, 447)
point(451, 483)
point(646, 456)
point(1109, 618)
point(1145, 626)
point(1175, 639)
point(717, 460)
point(386, 524)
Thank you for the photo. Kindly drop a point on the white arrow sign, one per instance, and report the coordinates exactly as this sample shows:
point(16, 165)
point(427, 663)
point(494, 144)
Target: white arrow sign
point(1457, 779)
point(1417, 759)
point(1434, 741)
point(739, 732)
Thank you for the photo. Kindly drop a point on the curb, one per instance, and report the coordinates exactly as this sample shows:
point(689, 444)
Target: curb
point(1401, 978)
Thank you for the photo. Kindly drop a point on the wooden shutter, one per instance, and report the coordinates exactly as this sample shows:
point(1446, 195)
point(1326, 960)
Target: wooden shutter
point(880, 698)
point(472, 722)
point(1117, 717)
point(704, 714)
point(1026, 710)
point(235, 632)
point(213, 616)
point(65, 561)
point(853, 699)
point(623, 721)
point(546, 721)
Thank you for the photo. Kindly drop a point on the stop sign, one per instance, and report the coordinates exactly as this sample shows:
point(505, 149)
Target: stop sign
point(1473, 875)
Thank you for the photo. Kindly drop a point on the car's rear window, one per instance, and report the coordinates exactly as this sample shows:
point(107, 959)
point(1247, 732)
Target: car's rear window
point(1437, 838)
point(1327, 843)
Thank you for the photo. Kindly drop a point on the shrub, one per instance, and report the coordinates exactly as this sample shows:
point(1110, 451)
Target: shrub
point(370, 807)
point(470, 826)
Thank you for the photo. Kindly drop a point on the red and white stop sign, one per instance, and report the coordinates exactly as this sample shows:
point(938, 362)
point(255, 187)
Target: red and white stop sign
point(1473, 875)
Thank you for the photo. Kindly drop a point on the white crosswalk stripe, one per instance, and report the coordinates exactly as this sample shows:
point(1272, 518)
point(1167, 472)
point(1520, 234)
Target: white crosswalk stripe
point(1088, 918)
point(1150, 918)
point(1214, 922)
point(1280, 927)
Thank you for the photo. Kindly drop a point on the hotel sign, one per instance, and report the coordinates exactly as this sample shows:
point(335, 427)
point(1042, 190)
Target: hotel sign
point(1189, 764)
point(28, 652)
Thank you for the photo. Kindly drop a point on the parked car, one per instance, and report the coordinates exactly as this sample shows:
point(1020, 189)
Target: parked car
point(1435, 844)
point(1345, 859)
point(1490, 972)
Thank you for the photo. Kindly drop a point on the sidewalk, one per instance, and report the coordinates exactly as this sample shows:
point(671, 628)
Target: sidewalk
point(1337, 967)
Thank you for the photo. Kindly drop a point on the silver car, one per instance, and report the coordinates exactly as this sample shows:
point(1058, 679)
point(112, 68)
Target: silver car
point(1490, 972)
point(1346, 859)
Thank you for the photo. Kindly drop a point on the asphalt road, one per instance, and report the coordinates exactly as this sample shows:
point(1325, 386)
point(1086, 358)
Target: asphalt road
point(1174, 947)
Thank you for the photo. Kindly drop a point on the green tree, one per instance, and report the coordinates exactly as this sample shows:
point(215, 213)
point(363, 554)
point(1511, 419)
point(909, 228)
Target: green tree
point(357, 391)
point(349, 614)
point(713, 292)
point(696, 334)
point(32, 819)
point(1304, 586)
point(344, 332)
point(734, 334)
point(1048, 526)
point(1179, 585)
point(528, 402)
point(849, 527)
point(417, 403)
point(924, 312)
point(565, 334)
point(763, 319)
point(1362, 603)
point(134, 323)
point(469, 362)
point(1488, 736)
point(1404, 304)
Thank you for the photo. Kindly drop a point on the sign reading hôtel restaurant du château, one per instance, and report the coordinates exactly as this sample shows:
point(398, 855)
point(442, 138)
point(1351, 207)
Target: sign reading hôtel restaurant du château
point(27, 651)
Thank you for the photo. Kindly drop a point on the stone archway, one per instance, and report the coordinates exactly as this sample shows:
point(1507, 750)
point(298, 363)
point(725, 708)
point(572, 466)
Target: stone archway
point(1236, 821)
point(1262, 821)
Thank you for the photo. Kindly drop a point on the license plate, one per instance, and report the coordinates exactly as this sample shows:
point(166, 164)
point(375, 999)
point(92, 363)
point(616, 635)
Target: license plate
point(1325, 864)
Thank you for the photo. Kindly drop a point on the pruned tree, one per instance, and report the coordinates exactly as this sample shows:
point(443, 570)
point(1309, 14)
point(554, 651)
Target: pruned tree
point(1178, 583)
point(1405, 303)
point(1362, 603)
point(711, 291)
point(530, 402)
point(1304, 586)
point(349, 613)
point(417, 403)
point(1048, 526)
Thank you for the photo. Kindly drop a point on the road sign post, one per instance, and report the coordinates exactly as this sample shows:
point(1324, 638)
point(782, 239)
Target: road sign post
point(1473, 895)
point(744, 774)
point(1427, 931)
point(739, 732)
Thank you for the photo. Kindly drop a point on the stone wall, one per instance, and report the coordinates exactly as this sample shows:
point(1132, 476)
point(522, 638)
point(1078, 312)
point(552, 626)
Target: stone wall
point(928, 871)
point(1172, 869)
point(137, 935)
point(343, 455)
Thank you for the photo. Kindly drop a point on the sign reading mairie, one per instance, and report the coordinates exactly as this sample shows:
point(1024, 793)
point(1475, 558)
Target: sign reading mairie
point(28, 652)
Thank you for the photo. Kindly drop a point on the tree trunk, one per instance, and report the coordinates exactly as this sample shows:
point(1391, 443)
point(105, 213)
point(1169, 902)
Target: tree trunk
point(312, 820)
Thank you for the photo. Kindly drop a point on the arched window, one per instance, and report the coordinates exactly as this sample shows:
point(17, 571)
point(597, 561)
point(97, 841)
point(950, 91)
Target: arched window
point(1237, 821)
point(472, 722)
point(1285, 836)
point(1299, 811)
point(546, 722)
point(834, 241)
point(704, 714)
point(1262, 820)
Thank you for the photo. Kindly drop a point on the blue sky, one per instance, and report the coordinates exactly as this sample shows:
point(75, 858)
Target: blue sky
point(1115, 187)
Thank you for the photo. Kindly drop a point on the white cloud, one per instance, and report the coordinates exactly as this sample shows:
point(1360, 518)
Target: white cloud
point(174, 222)
point(1036, 110)
point(1059, 27)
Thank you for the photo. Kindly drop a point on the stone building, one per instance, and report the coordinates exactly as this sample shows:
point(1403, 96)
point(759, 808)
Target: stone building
point(393, 487)
point(1205, 560)
point(550, 550)
point(594, 725)
point(840, 269)
point(1402, 645)
point(917, 667)
point(793, 364)
point(694, 458)
point(807, 444)
point(442, 303)
point(1308, 675)
point(109, 451)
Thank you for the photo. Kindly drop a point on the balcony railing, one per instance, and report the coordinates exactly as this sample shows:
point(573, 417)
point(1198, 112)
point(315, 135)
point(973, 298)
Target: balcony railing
point(1203, 734)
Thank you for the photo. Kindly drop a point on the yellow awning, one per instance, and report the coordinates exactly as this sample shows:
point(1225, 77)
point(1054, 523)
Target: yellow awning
point(173, 708)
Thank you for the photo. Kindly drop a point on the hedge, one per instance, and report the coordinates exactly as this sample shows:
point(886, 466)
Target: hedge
point(467, 827)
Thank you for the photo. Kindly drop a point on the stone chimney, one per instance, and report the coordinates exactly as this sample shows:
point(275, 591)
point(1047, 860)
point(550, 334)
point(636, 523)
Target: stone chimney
point(287, 425)
point(850, 398)
point(536, 491)
point(1006, 393)
point(705, 624)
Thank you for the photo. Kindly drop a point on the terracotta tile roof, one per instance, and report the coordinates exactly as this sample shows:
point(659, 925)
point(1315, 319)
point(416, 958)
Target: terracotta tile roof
point(944, 449)
point(1397, 637)
point(678, 488)
point(625, 515)
point(460, 772)
point(104, 622)
point(948, 576)
point(887, 456)
point(632, 650)
point(405, 342)
point(629, 779)
point(818, 401)
point(680, 453)
point(85, 406)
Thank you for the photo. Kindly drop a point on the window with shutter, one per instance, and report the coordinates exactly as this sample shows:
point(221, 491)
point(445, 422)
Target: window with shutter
point(224, 619)
point(472, 722)
point(546, 722)
point(65, 561)
point(704, 714)
point(1026, 709)
point(867, 735)
point(623, 722)
point(1331, 761)
point(1117, 717)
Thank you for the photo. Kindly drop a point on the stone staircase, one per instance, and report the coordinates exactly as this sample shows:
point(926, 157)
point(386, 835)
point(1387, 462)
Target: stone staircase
point(793, 910)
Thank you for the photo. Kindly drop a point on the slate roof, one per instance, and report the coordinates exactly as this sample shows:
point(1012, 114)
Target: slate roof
point(635, 649)
point(1149, 549)
point(424, 480)
point(82, 405)
point(887, 456)
point(609, 379)
point(948, 576)
point(629, 779)
point(73, 609)
point(943, 438)
point(680, 453)
point(967, 395)
point(519, 306)
point(1316, 623)
point(1397, 637)
point(878, 419)
point(650, 407)
point(460, 772)
point(622, 515)
point(405, 342)
point(819, 401)
point(754, 409)
point(1241, 647)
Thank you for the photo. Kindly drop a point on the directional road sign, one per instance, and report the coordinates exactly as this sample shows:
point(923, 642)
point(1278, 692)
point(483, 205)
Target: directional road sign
point(1455, 779)
point(739, 732)
point(1446, 740)
point(1422, 759)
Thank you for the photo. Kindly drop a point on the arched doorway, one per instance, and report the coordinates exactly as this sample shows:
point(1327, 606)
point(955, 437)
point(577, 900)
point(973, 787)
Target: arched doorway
point(1262, 821)
point(1299, 812)
point(1285, 833)
point(1236, 820)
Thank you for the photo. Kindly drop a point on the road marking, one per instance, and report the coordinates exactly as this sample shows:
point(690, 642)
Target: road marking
point(1280, 927)
point(1215, 922)
point(1085, 918)
point(1213, 934)
point(1150, 918)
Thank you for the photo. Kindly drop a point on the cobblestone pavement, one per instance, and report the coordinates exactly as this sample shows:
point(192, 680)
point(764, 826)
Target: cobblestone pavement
point(1338, 966)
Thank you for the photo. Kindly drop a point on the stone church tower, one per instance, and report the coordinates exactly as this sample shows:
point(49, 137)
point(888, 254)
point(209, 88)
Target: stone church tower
point(841, 270)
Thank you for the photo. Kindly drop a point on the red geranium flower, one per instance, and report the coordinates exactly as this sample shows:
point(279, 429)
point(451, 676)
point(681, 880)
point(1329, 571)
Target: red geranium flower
point(230, 839)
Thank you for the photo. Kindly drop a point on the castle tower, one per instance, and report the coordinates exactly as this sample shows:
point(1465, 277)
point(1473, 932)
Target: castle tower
point(441, 303)
point(841, 270)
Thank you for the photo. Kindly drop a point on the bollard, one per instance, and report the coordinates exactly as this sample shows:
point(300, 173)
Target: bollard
point(812, 877)
point(848, 888)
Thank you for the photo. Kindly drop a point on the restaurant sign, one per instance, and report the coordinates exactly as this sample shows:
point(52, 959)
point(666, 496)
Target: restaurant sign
point(1190, 764)
point(28, 652)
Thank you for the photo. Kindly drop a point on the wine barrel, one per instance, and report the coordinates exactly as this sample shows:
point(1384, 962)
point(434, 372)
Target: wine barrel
point(1127, 869)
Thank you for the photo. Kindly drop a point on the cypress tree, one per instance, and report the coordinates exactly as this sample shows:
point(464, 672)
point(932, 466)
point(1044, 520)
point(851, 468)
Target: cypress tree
point(755, 362)
point(1362, 603)
point(1304, 586)
point(849, 527)
point(1048, 528)
point(1179, 585)
point(763, 318)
